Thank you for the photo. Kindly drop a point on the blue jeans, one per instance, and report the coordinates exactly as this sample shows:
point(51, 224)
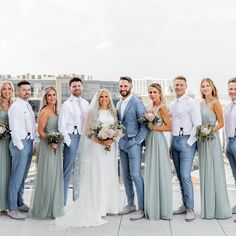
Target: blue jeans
point(231, 154)
point(131, 168)
point(69, 161)
point(183, 155)
point(20, 164)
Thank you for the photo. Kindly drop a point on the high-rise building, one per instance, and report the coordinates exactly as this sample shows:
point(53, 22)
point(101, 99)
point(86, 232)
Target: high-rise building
point(140, 85)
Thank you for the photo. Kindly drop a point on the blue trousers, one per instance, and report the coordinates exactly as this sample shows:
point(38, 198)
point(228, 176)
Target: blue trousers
point(231, 154)
point(20, 164)
point(69, 161)
point(183, 156)
point(131, 168)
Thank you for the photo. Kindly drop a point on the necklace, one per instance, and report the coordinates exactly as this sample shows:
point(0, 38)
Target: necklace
point(209, 99)
point(103, 108)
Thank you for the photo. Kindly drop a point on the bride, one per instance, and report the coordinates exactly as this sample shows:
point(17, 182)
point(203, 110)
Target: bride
point(99, 188)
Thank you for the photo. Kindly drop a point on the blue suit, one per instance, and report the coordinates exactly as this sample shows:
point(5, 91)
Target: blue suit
point(131, 148)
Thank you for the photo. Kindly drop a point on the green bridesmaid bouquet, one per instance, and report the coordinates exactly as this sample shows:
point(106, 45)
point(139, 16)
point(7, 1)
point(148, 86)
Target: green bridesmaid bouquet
point(205, 133)
point(4, 131)
point(55, 137)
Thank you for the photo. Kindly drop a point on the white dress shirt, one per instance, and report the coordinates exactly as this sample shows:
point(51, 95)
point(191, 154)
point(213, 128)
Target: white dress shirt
point(124, 105)
point(186, 114)
point(73, 112)
point(230, 119)
point(21, 122)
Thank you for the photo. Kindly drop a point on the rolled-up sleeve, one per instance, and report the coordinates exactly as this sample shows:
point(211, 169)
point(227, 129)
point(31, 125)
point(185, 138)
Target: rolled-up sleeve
point(15, 115)
point(62, 123)
point(195, 115)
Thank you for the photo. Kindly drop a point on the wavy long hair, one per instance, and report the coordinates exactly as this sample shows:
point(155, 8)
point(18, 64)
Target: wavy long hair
point(10, 101)
point(159, 89)
point(214, 92)
point(44, 102)
point(94, 106)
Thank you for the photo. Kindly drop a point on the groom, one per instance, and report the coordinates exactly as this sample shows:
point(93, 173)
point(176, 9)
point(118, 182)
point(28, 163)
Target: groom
point(70, 124)
point(130, 109)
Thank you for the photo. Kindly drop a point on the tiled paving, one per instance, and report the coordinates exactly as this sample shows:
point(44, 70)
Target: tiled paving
point(122, 226)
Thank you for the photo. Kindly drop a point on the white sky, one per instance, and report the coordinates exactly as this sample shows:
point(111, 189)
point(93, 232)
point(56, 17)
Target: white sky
point(108, 38)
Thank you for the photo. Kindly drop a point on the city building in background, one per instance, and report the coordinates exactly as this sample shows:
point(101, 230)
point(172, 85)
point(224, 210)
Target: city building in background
point(140, 88)
point(61, 82)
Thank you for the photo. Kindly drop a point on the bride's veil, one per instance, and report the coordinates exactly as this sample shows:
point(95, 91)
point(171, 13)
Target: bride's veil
point(84, 210)
point(82, 162)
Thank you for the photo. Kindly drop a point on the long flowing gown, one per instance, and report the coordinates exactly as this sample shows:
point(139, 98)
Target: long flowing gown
point(48, 197)
point(5, 161)
point(99, 190)
point(214, 195)
point(157, 177)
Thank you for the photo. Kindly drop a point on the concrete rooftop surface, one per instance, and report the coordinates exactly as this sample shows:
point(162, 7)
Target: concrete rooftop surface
point(122, 226)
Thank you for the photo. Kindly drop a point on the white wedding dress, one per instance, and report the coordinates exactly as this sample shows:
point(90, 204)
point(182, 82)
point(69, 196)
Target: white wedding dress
point(100, 189)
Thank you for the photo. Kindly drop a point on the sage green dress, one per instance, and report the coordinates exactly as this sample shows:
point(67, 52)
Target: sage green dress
point(214, 196)
point(48, 197)
point(157, 177)
point(5, 161)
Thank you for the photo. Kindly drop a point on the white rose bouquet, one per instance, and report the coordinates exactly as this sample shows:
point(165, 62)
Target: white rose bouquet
point(4, 131)
point(105, 132)
point(205, 133)
point(149, 118)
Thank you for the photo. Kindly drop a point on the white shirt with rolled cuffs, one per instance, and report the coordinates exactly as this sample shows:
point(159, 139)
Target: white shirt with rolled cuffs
point(21, 122)
point(73, 113)
point(186, 116)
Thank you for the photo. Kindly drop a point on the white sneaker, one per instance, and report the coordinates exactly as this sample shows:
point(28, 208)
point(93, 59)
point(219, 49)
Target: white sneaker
point(190, 216)
point(139, 214)
point(128, 209)
point(16, 215)
point(180, 210)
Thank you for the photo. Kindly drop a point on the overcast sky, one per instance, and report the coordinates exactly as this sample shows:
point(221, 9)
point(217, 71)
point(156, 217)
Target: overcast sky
point(108, 38)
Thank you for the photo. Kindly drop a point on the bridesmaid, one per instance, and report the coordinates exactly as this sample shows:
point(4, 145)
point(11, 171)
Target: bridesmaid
point(157, 177)
point(230, 129)
point(6, 99)
point(47, 200)
point(214, 196)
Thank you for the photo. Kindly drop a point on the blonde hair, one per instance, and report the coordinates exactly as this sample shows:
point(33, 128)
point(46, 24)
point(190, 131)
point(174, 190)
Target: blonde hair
point(158, 87)
point(12, 87)
point(111, 106)
point(44, 102)
point(214, 92)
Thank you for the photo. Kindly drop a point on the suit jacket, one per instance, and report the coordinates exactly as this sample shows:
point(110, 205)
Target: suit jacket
point(135, 132)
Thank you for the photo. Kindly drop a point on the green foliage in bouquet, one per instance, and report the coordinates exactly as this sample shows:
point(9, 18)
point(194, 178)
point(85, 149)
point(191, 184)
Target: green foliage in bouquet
point(55, 137)
point(4, 131)
point(205, 133)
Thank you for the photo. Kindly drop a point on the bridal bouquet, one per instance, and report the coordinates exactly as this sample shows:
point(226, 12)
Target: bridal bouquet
point(55, 137)
point(205, 133)
point(108, 132)
point(4, 131)
point(149, 118)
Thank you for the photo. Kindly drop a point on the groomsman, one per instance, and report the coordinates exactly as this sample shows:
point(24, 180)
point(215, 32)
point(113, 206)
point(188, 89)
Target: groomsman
point(186, 116)
point(130, 109)
point(70, 124)
point(230, 129)
point(22, 126)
